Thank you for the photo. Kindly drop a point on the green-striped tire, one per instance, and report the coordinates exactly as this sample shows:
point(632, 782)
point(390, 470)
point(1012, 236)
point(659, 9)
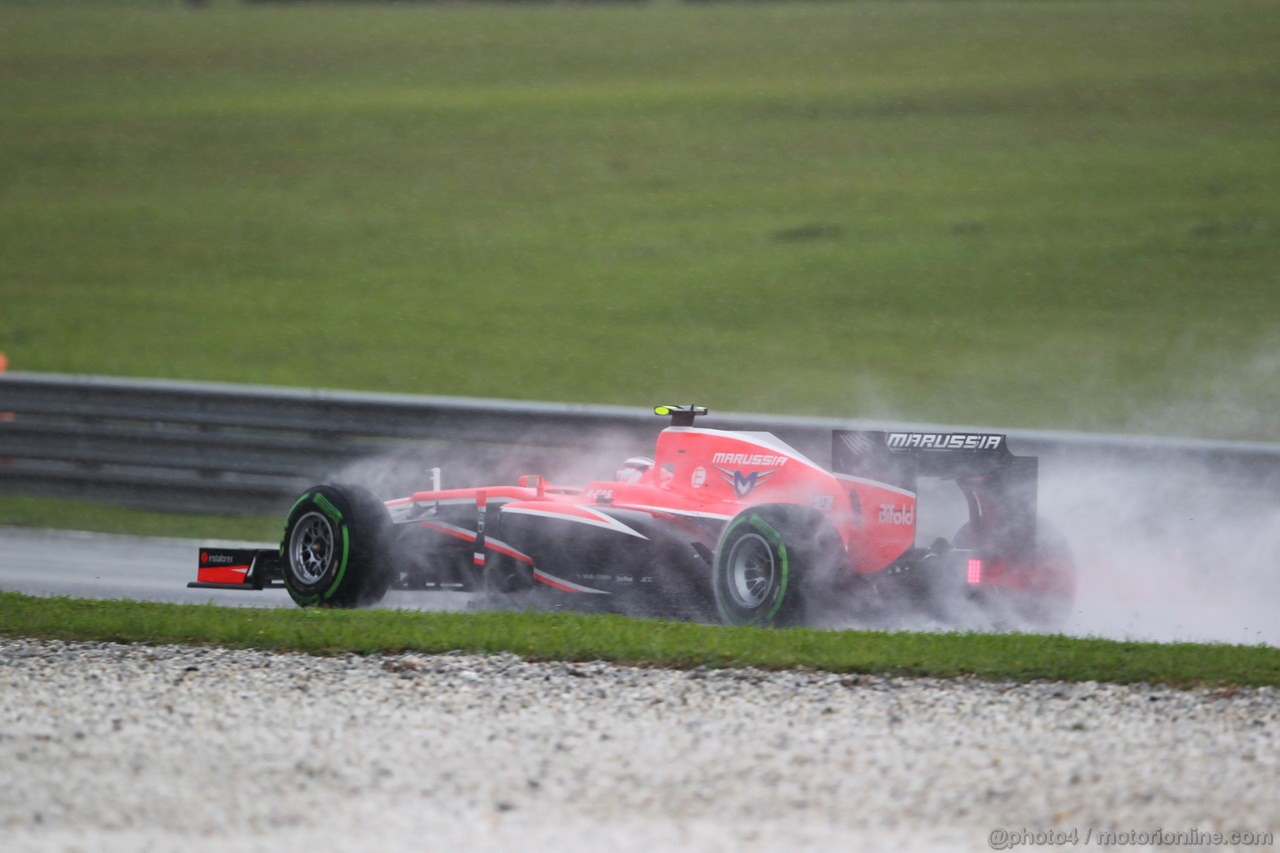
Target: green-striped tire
point(333, 553)
point(770, 563)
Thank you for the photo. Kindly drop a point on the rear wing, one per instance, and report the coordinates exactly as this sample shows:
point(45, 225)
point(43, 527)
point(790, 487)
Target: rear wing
point(999, 487)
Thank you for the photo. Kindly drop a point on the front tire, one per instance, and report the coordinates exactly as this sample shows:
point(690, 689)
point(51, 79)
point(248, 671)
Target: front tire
point(773, 564)
point(334, 553)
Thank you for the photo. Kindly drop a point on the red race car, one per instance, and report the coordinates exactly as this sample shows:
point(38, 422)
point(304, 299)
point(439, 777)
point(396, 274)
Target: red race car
point(717, 525)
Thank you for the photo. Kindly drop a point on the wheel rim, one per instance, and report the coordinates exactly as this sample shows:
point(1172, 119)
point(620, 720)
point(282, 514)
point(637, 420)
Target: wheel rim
point(752, 571)
point(311, 548)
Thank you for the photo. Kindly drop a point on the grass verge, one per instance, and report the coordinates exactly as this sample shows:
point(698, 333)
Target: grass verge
point(24, 511)
point(570, 637)
point(1059, 214)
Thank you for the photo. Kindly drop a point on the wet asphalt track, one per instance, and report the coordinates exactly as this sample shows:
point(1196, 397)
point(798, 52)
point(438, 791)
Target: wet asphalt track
point(96, 565)
point(1180, 564)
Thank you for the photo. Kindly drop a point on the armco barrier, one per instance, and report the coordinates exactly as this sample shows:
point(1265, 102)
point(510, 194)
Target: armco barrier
point(215, 447)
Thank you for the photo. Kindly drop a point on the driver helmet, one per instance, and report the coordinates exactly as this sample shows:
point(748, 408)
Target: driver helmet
point(633, 469)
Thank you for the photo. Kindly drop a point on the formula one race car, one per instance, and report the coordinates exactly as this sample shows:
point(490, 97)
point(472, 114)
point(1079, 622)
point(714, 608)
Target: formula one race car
point(734, 526)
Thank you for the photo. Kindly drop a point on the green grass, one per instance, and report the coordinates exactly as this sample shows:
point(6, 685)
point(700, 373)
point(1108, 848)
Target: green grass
point(1060, 213)
point(1018, 657)
point(1028, 214)
point(25, 511)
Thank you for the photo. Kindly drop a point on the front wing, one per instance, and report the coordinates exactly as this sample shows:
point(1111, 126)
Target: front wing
point(237, 568)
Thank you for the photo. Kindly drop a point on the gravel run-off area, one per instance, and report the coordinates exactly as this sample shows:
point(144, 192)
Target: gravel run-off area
point(110, 747)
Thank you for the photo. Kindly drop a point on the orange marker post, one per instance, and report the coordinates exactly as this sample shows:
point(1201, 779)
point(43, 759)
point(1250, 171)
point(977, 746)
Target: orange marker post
point(5, 416)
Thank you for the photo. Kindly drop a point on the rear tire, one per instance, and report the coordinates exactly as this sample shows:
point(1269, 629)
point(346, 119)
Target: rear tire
point(334, 553)
point(774, 564)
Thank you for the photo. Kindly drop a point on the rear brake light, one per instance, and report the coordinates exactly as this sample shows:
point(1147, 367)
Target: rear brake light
point(975, 572)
